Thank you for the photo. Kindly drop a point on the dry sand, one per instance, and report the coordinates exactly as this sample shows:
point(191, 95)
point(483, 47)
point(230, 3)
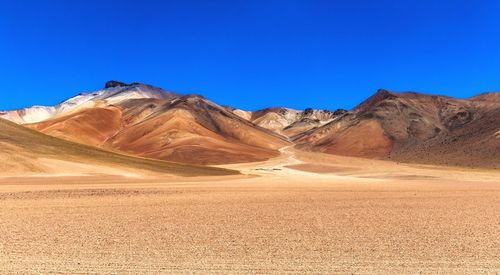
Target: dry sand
point(325, 214)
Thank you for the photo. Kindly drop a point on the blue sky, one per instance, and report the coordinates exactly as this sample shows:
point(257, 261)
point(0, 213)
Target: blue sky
point(249, 54)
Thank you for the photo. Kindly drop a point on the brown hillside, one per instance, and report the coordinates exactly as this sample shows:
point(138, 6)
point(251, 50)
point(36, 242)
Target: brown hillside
point(25, 151)
point(417, 128)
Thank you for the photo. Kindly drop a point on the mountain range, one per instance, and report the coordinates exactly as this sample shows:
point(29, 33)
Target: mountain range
point(149, 122)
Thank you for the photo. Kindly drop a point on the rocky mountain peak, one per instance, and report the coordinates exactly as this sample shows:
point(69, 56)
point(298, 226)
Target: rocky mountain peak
point(114, 83)
point(377, 97)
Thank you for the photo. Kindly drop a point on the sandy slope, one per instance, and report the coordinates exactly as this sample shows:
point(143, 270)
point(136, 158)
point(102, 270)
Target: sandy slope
point(350, 215)
point(26, 152)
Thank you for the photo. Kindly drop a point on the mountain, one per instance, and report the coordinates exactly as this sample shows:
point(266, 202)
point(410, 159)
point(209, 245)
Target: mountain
point(114, 92)
point(25, 151)
point(289, 122)
point(414, 127)
point(162, 125)
point(142, 120)
point(194, 130)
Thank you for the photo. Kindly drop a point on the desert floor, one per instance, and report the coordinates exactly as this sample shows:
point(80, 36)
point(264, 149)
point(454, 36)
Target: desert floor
point(299, 213)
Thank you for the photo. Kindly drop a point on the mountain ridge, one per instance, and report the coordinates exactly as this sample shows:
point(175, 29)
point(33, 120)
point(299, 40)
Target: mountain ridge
point(413, 127)
point(143, 120)
point(165, 126)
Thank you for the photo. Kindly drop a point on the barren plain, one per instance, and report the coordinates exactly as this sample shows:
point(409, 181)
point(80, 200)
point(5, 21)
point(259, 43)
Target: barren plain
point(297, 213)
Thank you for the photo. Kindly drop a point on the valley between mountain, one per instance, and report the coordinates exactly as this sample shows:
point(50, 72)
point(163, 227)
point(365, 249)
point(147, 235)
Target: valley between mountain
point(136, 179)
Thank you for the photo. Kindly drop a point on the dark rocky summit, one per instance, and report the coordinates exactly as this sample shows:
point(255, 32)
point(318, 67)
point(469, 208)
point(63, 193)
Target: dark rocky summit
point(114, 83)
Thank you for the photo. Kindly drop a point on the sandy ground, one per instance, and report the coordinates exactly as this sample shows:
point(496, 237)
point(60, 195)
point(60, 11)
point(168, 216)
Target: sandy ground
point(298, 213)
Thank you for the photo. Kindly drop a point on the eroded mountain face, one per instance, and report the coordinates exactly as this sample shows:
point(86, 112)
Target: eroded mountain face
point(289, 122)
point(143, 120)
point(146, 121)
point(415, 127)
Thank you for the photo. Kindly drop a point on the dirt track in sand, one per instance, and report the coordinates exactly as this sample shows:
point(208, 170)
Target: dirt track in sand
point(383, 218)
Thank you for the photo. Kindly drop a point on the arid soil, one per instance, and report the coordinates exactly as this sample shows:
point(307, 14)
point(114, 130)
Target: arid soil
point(298, 213)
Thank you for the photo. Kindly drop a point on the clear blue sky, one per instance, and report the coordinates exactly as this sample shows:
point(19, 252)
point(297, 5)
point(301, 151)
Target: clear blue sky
point(249, 54)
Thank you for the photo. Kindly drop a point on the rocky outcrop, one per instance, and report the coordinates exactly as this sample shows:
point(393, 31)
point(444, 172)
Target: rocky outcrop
point(114, 83)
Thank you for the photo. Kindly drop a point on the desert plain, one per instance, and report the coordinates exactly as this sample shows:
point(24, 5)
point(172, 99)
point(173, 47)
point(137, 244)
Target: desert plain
point(300, 212)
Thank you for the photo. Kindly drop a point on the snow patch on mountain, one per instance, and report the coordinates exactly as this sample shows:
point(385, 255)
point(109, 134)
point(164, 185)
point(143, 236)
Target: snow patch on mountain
point(112, 95)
